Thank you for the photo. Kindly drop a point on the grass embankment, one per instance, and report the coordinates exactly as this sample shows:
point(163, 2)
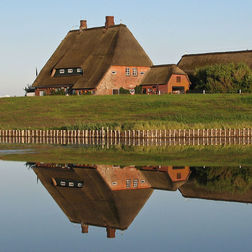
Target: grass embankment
point(132, 155)
point(127, 112)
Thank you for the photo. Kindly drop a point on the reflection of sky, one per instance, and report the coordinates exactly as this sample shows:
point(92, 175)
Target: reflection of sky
point(32, 221)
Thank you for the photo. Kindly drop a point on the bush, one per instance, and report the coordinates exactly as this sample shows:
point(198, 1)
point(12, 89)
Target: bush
point(58, 92)
point(222, 78)
point(124, 91)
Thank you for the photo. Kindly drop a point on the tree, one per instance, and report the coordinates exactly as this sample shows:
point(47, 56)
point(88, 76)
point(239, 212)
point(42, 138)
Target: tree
point(224, 78)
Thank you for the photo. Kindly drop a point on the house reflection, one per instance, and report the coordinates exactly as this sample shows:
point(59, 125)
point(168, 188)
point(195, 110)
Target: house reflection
point(112, 196)
point(99, 195)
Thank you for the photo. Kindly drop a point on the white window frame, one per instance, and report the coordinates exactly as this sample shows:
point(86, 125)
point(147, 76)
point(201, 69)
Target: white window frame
point(135, 183)
point(62, 71)
point(128, 183)
point(79, 70)
point(127, 71)
point(135, 72)
point(70, 70)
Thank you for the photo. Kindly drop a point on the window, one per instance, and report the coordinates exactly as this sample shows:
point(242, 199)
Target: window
point(134, 72)
point(127, 71)
point(62, 183)
point(115, 91)
point(70, 70)
point(135, 183)
point(178, 79)
point(142, 73)
point(142, 181)
point(113, 72)
point(62, 71)
point(71, 184)
point(128, 183)
point(178, 175)
point(114, 183)
point(79, 70)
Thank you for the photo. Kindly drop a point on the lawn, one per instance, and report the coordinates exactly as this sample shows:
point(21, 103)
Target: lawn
point(127, 112)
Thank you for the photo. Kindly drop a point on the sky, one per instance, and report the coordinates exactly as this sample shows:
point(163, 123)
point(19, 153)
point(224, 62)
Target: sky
point(32, 30)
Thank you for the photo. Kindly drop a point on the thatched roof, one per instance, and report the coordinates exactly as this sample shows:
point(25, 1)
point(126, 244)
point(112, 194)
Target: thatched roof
point(94, 204)
point(94, 50)
point(161, 180)
point(161, 74)
point(190, 62)
point(191, 190)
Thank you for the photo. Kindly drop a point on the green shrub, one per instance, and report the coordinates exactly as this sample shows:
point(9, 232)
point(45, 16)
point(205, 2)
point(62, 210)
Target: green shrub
point(222, 78)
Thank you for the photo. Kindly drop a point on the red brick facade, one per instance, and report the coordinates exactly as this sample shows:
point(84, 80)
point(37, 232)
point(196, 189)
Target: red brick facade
point(172, 86)
point(116, 77)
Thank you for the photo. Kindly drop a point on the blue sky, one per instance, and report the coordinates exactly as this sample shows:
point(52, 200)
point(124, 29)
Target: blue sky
point(31, 30)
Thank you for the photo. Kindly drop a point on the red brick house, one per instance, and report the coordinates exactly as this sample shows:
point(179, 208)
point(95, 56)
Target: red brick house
point(165, 79)
point(97, 60)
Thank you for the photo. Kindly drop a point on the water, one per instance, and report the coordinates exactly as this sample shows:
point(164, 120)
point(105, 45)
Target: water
point(152, 207)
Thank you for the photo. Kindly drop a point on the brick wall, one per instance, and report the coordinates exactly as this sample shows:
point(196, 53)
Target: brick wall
point(115, 78)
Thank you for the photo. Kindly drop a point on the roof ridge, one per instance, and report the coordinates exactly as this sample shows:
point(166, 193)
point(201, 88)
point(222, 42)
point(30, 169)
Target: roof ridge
point(164, 65)
point(98, 27)
point(210, 53)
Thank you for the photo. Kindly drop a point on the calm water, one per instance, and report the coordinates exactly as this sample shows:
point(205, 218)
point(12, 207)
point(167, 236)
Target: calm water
point(149, 208)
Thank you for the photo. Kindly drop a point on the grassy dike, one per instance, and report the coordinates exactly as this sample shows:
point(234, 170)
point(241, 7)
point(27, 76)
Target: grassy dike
point(130, 155)
point(127, 112)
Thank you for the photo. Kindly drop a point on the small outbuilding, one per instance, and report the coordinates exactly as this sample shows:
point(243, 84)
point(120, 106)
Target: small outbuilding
point(165, 79)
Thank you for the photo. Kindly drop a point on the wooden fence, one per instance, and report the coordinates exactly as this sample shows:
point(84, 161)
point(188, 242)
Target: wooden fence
point(137, 134)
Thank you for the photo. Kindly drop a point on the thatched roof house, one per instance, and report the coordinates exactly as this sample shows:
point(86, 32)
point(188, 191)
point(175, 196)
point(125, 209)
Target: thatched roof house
point(95, 59)
point(165, 79)
point(190, 62)
point(95, 203)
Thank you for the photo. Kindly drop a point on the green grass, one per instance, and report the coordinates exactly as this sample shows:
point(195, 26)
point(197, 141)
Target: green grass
point(127, 112)
point(129, 155)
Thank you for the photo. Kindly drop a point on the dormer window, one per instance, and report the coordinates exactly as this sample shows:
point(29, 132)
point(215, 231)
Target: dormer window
point(67, 72)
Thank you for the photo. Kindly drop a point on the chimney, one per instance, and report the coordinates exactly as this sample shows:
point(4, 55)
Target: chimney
point(84, 229)
point(110, 232)
point(109, 21)
point(83, 24)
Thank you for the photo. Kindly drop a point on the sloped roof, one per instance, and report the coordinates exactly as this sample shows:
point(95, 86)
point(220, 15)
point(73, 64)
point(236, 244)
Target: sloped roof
point(94, 50)
point(192, 61)
point(161, 74)
point(192, 190)
point(161, 180)
point(94, 204)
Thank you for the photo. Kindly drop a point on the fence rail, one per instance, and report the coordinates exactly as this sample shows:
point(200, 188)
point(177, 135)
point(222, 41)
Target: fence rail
point(137, 134)
point(129, 137)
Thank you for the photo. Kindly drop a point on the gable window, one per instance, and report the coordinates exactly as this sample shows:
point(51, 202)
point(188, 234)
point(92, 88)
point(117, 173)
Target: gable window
point(134, 72)
point(113, 72)
point(142, 73)
point(70, 70)
point(178, 79)
point(128, 183)
point(135, 183)
point(62, 71)
point(79, 70)
point(127, 71)
point(178, 175)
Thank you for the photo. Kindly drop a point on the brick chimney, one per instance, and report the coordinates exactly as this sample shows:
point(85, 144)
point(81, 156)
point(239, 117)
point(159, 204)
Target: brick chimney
point(83, 24)
point(110, 21)
point(110, 232)
point(84, 228)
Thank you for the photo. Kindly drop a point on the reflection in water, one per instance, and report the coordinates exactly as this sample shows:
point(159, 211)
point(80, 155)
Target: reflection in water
point(112, 196)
